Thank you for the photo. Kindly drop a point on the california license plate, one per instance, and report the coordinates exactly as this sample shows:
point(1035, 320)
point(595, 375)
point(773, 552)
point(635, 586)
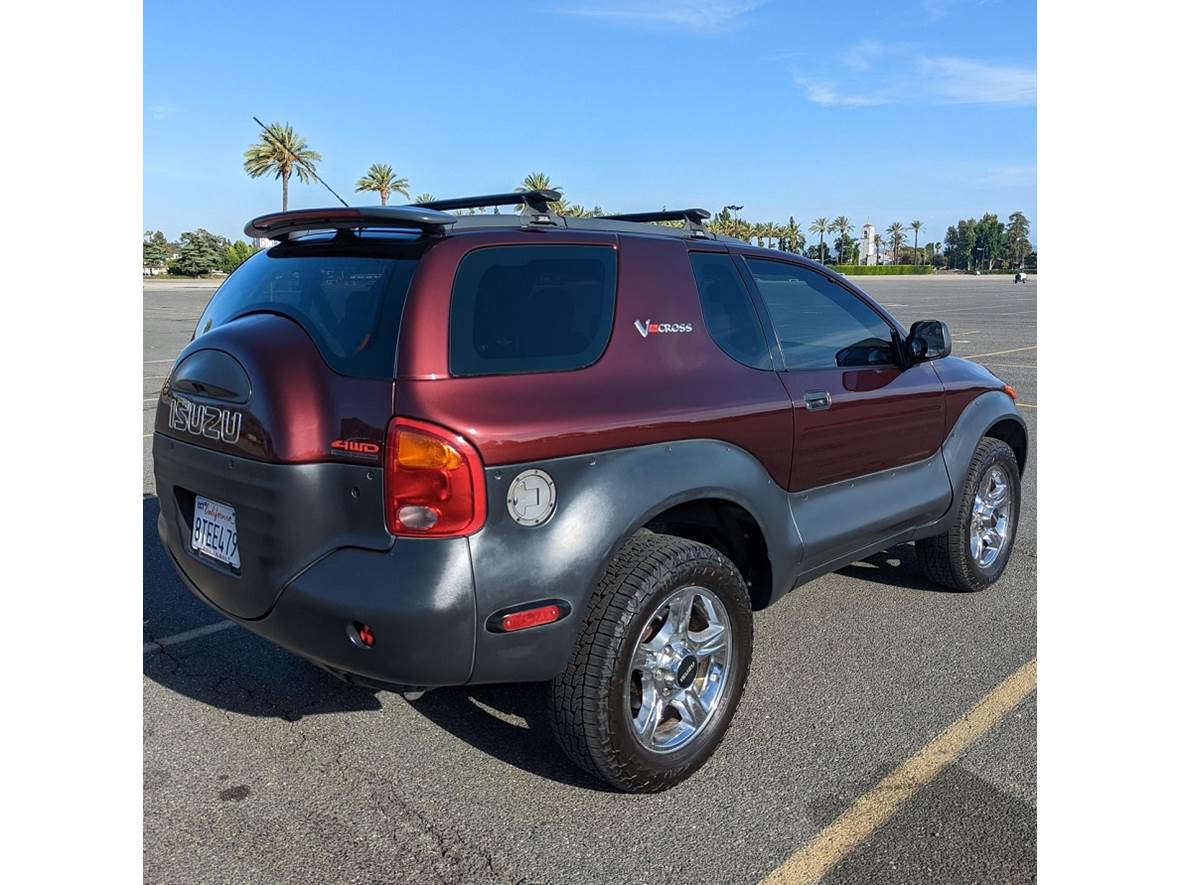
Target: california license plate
point(215, 531)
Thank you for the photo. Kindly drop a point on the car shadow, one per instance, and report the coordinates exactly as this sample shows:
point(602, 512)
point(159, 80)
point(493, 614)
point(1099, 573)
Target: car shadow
point(235, 671)
point(896, 567)
point(508, 722)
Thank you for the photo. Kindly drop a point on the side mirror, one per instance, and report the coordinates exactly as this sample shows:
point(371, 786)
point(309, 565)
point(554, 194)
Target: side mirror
point(928, 340)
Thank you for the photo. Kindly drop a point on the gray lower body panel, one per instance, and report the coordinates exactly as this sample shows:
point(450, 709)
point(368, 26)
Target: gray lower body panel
point(867, 513)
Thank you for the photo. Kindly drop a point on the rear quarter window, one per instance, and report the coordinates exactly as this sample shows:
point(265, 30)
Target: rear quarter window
point(523, 309)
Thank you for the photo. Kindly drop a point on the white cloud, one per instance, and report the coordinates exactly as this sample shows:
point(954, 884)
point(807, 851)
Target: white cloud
point(696, 15)
point(862, 56)
point(966, 81)
point(872, 73)
point(825, 92)
point(163, 111)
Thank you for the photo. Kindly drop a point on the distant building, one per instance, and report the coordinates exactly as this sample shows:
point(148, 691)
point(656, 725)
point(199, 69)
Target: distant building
point(868, 245)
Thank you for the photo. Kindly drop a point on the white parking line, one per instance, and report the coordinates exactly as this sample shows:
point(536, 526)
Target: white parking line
point(149, 362)
point(975, 356)
point(153, 647)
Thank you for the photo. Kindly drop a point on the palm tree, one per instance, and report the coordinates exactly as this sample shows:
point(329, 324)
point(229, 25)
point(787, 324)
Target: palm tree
point(282, 151)
point(820, 226)
point(382, 179)
point(424, 198)
point(896, 233)
point(793, 235)
point(917, 226)
point(843, 225)
point(876, 245)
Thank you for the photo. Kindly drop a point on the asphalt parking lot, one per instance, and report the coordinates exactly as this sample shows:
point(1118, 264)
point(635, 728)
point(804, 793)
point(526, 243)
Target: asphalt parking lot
point(259, 767)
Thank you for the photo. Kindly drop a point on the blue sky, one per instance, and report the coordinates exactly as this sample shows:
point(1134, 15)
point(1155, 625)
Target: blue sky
point(881, 112)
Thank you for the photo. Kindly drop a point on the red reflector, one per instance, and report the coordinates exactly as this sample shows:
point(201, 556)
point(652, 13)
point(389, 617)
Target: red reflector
point(532, 617)
point(1010, 390)
point(366, 635)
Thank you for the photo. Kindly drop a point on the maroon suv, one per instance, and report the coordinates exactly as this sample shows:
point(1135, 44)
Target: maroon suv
point(424, 450)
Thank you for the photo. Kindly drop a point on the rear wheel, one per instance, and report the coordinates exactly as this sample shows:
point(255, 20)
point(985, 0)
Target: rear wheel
point(975, 550)
point(659, 666)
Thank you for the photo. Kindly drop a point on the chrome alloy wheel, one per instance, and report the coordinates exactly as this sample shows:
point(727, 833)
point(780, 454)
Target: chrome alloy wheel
point(679, 669)
point(990, 516)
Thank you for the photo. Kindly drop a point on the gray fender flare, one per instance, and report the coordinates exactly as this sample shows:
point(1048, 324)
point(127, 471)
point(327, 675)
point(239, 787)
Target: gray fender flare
point(602, 500)
point(981, 415)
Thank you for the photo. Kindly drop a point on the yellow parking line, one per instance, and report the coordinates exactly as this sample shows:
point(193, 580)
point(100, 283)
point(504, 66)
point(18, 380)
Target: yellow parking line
point(837, 840)
point(975, 356)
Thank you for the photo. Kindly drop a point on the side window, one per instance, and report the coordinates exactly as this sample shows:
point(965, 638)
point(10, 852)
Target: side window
point(728, 312)
point(521, 309)
point(819, 324)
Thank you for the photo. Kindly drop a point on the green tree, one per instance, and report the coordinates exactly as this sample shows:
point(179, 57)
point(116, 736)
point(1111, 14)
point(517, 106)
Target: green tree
point(235, 254)
point(793, 234)
point(282, 151)
point(916, 224)
point(382, 180)
point(200, 253)
point(1018, 245)
point(155, 249)
point(847, 249)
point(896, 233)
point(959, 244)
point(820, 226)
point(989, 239)
point(577, 210)
point(424, 198)
point(841, 225)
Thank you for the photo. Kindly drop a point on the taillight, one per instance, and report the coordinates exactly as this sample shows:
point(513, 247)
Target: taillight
point(434, 481)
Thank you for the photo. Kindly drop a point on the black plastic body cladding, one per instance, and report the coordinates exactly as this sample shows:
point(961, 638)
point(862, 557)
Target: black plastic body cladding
point(845, 517)
point(603, 499)
point(417, 599)
point(288, 516)
point(980, 415)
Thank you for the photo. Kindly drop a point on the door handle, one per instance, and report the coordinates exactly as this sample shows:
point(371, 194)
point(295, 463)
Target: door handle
point(817, 400)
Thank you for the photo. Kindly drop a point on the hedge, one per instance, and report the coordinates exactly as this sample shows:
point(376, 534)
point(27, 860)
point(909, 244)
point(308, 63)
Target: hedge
point(881, 269)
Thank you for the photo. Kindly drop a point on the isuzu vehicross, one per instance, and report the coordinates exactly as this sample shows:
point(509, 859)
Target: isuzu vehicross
point(425, 450)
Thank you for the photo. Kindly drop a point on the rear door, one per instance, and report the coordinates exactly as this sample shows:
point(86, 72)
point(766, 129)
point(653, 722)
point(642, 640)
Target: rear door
point(857, 411)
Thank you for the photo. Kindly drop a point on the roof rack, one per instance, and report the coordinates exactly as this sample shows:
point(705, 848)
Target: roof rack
point(693, 218)
point(536, 202)
point(282, 225)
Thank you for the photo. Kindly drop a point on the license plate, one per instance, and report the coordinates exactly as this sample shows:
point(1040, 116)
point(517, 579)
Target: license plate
point(215, 531)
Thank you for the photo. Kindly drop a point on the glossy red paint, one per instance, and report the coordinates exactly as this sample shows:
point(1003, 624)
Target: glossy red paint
point(297, 406)
point(879, 418)
point(963, 381)
point(643, 390)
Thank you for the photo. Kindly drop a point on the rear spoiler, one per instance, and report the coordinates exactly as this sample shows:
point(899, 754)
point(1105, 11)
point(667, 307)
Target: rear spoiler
point(281, 225)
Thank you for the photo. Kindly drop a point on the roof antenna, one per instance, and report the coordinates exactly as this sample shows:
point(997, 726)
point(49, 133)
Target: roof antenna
point(314, 175)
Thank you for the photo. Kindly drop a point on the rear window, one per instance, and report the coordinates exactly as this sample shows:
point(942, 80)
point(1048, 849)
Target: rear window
point(521, 309)
point(351, 306)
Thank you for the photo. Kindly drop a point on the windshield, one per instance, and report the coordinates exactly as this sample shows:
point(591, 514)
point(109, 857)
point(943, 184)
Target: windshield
point(351, 306)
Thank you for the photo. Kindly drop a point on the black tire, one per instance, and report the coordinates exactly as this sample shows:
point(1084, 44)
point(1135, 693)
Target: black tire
point(946, 559)
point(589, 699)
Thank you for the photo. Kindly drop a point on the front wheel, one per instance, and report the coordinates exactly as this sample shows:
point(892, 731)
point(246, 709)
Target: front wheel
point(974, 552)
point(659, 667)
